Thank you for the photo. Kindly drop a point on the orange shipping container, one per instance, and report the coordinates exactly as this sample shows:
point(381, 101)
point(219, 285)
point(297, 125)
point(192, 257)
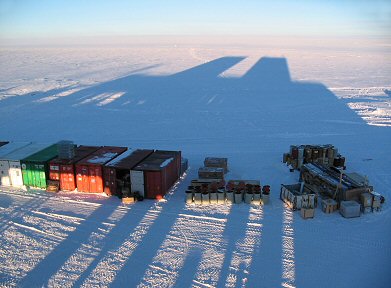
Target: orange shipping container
point(63, 170)
point(89, 171)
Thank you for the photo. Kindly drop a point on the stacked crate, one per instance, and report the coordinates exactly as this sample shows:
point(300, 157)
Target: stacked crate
point(321, 154)
point(66, 149)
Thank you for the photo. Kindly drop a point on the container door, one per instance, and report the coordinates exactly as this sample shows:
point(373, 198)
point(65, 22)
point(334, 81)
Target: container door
point(5, 173)
point(154, 184)
point(91, 172)
point(25, 175)
point(63, 177)
point(31, 174)
point(99, 179)
point(137, 182)
point(40, 176)
point(16, 174)
point(34, 175)
point(110, 181)
point(82, 178)
point(70, 177)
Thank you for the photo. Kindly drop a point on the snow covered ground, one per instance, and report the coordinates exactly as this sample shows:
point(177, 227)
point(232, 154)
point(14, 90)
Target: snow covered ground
point(244, 102)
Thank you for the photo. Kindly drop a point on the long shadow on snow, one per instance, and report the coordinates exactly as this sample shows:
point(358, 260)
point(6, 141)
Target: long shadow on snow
point(264, 101)
point(41, 273)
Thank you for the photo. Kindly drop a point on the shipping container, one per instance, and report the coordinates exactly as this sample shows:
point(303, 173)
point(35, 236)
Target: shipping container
point(63, 170)
point(154, 176)
point(177, 155)
point(35, 168)
point(11, 171)
point(89, 171)
point(117, 171)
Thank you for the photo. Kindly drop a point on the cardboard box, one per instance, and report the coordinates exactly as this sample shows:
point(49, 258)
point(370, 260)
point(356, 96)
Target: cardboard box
point(128, 200)
point(329, 206)
point(307, 213)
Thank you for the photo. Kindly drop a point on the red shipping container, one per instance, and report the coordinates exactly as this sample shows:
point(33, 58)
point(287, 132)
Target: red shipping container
point(89, 171)
point(120, 166)
point(154, 176)
point(63, 170)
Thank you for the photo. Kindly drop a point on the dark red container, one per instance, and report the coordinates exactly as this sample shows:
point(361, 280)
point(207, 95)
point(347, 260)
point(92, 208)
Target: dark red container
point(63, 170)
point(120, 167)
point(159, 171)
point(177, 155)
point(89, 171)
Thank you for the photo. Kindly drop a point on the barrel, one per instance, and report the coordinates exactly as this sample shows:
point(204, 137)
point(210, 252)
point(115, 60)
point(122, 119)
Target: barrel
point(256, 198)
point(230, 197)
point(189, 196)
point(220, 196)
point(213, 197)
point(248, 197)
point(197, 198)
point(238, 197)
point(205, 198)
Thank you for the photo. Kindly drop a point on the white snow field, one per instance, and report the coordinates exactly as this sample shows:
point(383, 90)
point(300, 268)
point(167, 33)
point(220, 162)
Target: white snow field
point(245, 102)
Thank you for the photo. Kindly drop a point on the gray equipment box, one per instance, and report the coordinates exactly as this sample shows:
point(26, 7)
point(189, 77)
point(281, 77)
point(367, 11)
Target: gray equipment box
point(350, 209)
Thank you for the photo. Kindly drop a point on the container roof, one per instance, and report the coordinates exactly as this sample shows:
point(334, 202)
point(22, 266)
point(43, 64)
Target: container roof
point(44, 155)
point(103, 155)
point(25, 151)
point(80, 153)
point(11, 147)
point(155, 162)
point(129, 159)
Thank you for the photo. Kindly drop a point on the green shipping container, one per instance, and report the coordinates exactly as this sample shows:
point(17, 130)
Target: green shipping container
point(35, 168)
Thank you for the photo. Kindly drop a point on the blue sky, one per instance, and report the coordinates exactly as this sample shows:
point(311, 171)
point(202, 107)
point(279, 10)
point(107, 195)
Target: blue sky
point(59, 18)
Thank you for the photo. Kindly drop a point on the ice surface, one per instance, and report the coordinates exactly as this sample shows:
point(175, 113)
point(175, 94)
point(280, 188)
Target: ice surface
point(246, 103)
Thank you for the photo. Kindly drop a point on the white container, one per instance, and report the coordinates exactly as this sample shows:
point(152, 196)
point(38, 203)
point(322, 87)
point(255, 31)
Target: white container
point(230, 197)
point(256, 199)
point(10, 168)
point(350, 209)
point(213, 197)
point(205, 198)
point(248, 197)
point(220, 196)
point(189, 196)
point(238, 197)
point(197, 198)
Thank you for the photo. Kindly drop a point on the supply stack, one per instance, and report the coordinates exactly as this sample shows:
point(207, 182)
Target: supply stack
point(326, 155)
point(211, 187)
point(322, 175)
